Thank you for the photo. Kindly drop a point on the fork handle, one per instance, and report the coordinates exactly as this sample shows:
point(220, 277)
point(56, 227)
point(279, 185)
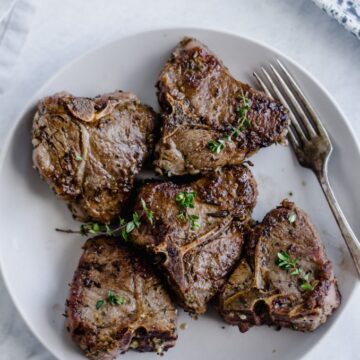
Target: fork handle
point(349, 236)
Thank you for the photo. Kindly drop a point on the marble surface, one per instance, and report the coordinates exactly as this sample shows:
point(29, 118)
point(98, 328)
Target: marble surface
point(61, 30)
point(346, 12)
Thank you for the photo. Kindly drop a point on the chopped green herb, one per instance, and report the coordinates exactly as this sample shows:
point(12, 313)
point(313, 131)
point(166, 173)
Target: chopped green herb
point(247, 123)
point(291, 217)
point(90, 228)
point(130, 226)
point(295, 272)
point(235, 132)
point(123, 228)
point(283, 255)
point(109, 232)
point(185, 200)
point(136, 220)
point(181, 216)
point(194, 222)
point(95, 228)
point(247, 103)
point(78, 157)
point(124, 234)
point(305, 286)
point(149, 214)
point(99, 304)
point(289, 264)
point(285, 262)
point(216, 146)
point(114, 299)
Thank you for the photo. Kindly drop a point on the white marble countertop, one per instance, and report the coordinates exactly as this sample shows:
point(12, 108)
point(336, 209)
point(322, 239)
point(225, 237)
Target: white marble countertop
point(61, 30)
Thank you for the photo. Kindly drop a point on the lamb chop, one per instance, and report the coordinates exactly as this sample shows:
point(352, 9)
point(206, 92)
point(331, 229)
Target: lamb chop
point(117, 303)
point(90, 150)
point(197, 232)
point(285, 278)
point(211, 119)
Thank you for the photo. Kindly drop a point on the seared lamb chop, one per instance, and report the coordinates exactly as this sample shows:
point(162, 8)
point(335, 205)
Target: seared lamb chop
point(285, 278)
point(117, 303)
point(211, 119)
point(89, 150)
point(197, 232)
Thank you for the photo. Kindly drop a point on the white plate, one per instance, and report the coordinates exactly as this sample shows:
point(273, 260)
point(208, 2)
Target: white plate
point(38, 263)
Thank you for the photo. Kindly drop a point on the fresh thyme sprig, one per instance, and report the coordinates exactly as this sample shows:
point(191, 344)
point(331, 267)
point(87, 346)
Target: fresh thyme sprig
point(216, 146)
point(185, 200)
point(289, 264)
point(112, 299)
point(122, 229)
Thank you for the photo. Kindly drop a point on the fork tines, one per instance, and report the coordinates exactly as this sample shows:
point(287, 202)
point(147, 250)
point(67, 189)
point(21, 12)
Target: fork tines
point(305, 124)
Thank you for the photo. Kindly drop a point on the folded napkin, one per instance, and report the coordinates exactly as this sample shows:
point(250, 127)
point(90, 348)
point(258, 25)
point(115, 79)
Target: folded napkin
point(15, 19)
point(346, 12)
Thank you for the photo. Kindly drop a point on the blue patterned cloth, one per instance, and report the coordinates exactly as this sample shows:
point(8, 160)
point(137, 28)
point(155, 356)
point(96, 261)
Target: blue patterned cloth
point(346, 12)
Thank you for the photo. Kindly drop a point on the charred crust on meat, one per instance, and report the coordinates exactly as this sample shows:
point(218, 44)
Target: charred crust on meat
point(200, 100)
point(196, 263)
point(75, 137)
point(259, 292)
point(145, 322)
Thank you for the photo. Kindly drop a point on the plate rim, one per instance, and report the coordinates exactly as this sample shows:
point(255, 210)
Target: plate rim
point(69, 64)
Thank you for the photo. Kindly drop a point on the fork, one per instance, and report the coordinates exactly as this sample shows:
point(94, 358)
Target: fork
point(310, 141)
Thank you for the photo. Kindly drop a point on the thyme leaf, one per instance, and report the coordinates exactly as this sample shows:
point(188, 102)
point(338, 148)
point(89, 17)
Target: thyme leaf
point(114, 299)
point(194, 221)
point(216, 146)
point(99, 304)
point(123, 228)
point(185, 200)
point(149, 214)
point(289, 264)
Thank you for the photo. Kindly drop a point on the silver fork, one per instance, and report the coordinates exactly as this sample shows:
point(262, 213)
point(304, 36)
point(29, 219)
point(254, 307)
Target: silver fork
point(310, 142)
